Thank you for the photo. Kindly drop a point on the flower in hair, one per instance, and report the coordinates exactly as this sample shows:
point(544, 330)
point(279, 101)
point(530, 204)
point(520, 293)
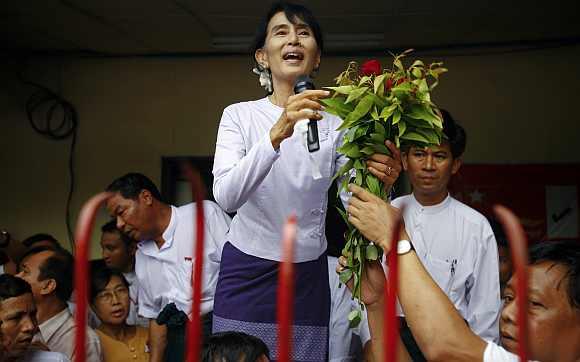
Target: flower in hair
point(265, 78)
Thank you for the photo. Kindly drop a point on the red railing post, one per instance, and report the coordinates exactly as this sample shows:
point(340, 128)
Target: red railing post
point(519, 252)
point(194, 335)
point(83, 232)
point(285, 297)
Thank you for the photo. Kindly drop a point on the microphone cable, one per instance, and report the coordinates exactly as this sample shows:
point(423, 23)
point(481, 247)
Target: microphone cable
point(55, 118)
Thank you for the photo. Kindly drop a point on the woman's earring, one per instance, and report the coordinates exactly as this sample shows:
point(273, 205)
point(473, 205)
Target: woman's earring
point(265, 77)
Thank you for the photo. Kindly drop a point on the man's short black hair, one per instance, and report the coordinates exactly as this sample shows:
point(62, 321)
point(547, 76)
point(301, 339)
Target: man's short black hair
point(58, 266)
point(233, 347)
point(11, 287)
point(131, 185)
point(454, 133)
point(31, 240)
point(567, 254)
point(111, 227)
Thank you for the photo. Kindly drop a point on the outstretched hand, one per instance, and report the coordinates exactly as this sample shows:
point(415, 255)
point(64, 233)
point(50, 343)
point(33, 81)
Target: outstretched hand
point(373, 217)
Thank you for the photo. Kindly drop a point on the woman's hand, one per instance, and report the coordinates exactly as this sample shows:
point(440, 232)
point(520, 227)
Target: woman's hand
point(299, 106)
point(386, 168)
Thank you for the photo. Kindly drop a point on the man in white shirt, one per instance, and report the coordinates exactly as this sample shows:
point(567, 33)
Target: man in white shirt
point(118, 251)
point(454, 242)
point(553, 300)
point(18, 324)
point(49, 271)
point(164, 258)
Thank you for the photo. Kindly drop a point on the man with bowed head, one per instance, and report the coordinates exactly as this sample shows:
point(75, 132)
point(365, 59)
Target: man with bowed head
point(164, 259)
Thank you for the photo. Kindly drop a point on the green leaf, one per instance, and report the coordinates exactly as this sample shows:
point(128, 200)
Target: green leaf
point(344, 169)
point(379, 89)
point(345, 276)
point(378, 138)
point(364, 80)
point(353, 152)
point(337, 106)
point(417, 63)
point(361, 109)
point(372, 252)
point(358, 179)
point(402, 128)
point(356, 94)
point(343, 89)
point(379, 101)
point(375, 113)
point(379, 128)
point(373, 184)
point(358, 164)
point(354, 318)
point(417, 73)
point(381, 148)
point(367, 150)
point(414, 136)
point(388, 111)
point(396, 117)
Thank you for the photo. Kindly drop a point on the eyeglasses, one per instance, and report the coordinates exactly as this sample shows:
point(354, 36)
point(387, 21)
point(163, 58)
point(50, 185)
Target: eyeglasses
point(106, 296)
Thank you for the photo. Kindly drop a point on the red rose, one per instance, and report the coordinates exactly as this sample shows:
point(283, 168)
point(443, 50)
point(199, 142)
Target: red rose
point(371, 67)
point(388, 84)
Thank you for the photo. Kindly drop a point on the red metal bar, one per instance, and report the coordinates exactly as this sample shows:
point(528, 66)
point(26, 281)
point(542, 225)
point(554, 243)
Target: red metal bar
point(83, 232)
point(285, 307)
point(391, 322)
point(194, 336)
point(519, 251)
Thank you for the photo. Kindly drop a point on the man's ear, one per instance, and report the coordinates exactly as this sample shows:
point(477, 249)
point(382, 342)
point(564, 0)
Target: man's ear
point(261, 58)
point(457, 162)
point(48, 287)
point(146, 197)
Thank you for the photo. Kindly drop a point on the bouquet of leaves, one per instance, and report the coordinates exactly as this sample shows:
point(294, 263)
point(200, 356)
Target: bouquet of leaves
point(377, 105)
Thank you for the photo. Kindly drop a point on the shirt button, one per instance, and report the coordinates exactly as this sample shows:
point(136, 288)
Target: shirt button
point(132, 349)
point(134, 356)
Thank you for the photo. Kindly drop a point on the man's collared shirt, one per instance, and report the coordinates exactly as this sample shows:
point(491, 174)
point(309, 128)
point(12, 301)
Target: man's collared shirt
point(44, 356)
point(59, 335)
point(133, 318)
point(164, 274)
point(457, 246)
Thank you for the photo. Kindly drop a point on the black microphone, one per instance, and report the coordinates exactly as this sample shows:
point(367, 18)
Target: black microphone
point(303, 83)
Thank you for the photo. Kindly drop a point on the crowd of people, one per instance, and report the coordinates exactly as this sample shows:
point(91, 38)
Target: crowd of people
point(455, 301)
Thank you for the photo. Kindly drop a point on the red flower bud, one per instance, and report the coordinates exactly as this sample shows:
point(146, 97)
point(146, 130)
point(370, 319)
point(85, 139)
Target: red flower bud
point(388, 84)
point(401, 80)
point(371, 67)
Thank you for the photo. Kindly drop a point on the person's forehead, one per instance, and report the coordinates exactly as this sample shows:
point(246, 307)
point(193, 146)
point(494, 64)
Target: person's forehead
point(21, 303)
point(34, 260)
point(280, 19)
point(117, 200)
point(111, 237)
point(549, 280)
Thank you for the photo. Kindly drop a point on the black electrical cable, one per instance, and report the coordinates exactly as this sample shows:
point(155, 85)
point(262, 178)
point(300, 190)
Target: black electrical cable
point(55, 118)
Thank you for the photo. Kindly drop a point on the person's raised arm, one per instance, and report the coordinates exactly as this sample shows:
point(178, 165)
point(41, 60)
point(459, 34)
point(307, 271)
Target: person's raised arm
point(438, 328)
point(239, 170)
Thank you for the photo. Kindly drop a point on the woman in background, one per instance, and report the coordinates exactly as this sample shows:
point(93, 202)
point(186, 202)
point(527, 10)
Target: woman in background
point(110, 302)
